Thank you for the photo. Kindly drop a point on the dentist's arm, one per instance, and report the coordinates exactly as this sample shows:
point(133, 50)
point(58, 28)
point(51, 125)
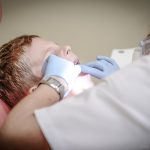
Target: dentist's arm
point(21, 131)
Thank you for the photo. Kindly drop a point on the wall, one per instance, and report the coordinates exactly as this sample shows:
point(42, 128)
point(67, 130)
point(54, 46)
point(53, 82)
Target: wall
point(91, 27)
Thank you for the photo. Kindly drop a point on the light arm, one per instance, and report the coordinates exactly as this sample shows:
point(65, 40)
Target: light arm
point(21, 131)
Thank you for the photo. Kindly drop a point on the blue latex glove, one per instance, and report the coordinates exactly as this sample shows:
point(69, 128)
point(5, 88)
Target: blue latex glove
point(58, 67)
point(102, 67)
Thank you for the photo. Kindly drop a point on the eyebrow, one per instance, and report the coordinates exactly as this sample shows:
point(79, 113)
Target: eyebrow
point(56, 43)
point(52, 43)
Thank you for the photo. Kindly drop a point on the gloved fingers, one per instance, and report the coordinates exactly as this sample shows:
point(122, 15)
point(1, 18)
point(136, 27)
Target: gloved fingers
point(95, 64)
point(78, 69)
point(92, 71)
point(85, 69)
point(101, 65)
point(75, 71)
point(108, 59)
point(106, 64)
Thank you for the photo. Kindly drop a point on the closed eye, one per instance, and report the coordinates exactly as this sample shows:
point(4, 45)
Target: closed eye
point(68, 52)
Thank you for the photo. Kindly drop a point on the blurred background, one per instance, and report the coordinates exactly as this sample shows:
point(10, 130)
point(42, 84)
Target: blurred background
point(90, 27)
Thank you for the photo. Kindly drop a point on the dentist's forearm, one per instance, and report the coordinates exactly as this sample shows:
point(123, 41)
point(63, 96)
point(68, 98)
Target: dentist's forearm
point(21, 131)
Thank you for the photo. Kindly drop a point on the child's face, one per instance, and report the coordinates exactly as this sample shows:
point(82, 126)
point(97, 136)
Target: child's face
point(40, 49)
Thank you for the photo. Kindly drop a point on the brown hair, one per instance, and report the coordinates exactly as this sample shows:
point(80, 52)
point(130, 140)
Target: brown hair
point(16, 76)
point(148, 35)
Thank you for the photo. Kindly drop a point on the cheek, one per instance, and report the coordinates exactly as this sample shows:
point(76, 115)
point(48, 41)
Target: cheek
point(37, 71)
point(71, 56)
point(37, 68)
point(59, 53)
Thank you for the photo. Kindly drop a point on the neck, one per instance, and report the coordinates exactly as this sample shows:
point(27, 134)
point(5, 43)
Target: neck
point(5, 105)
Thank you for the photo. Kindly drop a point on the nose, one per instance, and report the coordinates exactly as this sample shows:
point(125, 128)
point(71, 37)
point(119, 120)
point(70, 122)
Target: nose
point(76, 61)
point(70, 55)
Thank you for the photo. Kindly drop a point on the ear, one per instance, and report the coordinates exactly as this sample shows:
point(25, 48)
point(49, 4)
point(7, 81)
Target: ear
point(32, 89)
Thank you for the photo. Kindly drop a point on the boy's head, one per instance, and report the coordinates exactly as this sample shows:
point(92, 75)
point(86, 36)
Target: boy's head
point(21, 62)
point(145, 45)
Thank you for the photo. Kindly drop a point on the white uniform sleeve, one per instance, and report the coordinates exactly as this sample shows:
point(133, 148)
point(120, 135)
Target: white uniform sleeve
point(114, 115)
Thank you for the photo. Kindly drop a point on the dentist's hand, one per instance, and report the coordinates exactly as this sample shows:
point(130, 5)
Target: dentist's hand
point(61, 69)
point(102, 67)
